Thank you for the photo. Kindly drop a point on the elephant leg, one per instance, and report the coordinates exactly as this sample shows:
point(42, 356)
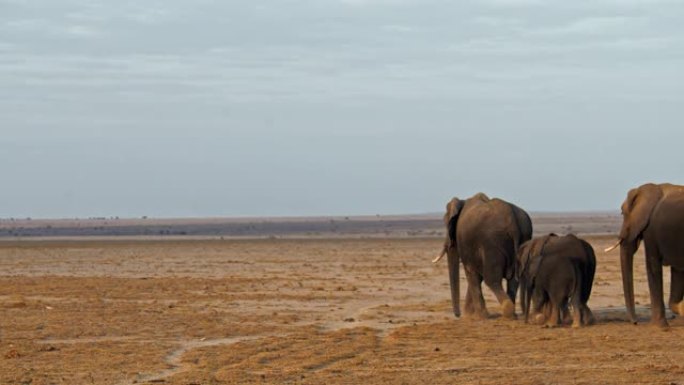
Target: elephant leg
point(676, 290)
point(469, 299)
point(654, 270)
point(512, 288)
point(477, 299)
point(493, 281)
point(469, 306)
point(546, 309)
point(587, 315)
point(554, 319)
point(557, 304)
point(541, 309)
point(577, 310)
point(565, 313)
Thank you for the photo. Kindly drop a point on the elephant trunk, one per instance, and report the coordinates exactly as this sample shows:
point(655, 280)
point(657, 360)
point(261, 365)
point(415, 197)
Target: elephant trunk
point(627, 264)
point(452, 259)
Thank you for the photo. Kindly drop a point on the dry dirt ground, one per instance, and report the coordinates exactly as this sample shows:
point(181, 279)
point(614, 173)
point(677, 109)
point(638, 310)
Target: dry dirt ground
point(313, 311)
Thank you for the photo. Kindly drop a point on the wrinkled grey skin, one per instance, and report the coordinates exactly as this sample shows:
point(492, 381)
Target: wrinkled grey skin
point(484, 234)
point(654, 214)
point(554, 271)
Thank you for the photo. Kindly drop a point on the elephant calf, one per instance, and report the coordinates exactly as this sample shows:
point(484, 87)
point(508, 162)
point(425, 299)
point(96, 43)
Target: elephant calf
point(554, 271)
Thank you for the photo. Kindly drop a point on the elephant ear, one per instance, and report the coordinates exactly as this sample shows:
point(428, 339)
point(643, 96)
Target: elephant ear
point(454, 208)
point(637, 209)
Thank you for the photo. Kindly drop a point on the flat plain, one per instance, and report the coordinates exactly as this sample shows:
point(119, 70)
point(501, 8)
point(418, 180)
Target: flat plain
point(342, 300)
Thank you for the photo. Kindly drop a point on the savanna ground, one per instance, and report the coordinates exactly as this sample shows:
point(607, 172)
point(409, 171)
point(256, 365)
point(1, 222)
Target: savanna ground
point(316, 310)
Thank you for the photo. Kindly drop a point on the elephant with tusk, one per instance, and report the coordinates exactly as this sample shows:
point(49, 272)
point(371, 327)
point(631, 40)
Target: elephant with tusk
point(654, 214)
point(484, 234)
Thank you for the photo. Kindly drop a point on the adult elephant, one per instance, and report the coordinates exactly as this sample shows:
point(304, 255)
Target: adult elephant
point(654, 213)
point(485, 235)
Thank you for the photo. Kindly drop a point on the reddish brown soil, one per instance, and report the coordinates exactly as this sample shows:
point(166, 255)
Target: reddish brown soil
point(296, 311)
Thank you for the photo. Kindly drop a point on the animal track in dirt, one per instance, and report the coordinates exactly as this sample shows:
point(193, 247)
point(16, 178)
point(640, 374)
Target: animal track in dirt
point(358, 310)
point(377, 315)
point(93, 340)
point(173, 359)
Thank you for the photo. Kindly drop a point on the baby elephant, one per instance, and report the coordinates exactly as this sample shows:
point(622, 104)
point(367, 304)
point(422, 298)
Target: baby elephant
point(554, 271)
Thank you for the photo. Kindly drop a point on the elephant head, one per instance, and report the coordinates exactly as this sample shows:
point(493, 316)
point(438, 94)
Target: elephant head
point(453, 211)
point(636, 214)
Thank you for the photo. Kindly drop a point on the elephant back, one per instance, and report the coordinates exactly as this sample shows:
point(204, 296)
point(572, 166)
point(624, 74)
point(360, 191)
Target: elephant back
point(494, 224)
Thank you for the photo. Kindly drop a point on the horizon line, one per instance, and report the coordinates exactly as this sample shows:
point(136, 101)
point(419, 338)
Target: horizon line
point(285, 217)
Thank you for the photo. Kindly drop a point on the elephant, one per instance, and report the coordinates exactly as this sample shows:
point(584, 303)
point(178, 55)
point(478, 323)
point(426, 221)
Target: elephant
point(554, 271)
point(484, 234)
point(653, 213)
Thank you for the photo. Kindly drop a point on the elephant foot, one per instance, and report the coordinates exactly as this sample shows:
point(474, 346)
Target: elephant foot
point(477, 315)
point(679, 307)
point(577, 317)
point(588, 318)
point(675, 308)
point(660, 323)
point(469, 309)
point(566, 318)
point(508, 309)
point(539, 318)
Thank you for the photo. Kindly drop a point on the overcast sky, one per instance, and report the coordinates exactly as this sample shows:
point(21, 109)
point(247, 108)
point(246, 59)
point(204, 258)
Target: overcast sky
point(248, 108)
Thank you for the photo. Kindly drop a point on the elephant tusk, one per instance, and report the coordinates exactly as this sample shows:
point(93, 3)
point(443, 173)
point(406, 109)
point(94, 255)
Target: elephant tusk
point(440, 256)
point(613, 247)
